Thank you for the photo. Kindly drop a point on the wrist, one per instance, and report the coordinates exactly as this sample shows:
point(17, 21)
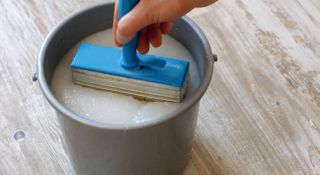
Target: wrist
point(191, 4)
point(200, 3)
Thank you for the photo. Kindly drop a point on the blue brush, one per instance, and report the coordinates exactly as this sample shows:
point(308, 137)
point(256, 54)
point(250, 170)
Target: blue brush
point(125, 71)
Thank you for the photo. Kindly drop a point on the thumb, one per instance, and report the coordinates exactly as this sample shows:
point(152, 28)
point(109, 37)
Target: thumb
point(133, 22)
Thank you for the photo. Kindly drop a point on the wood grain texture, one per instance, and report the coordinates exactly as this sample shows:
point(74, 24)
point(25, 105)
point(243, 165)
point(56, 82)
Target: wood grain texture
point(261, 114)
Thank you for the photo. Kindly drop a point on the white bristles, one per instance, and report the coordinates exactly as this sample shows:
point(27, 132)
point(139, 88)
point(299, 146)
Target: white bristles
point(136, 88)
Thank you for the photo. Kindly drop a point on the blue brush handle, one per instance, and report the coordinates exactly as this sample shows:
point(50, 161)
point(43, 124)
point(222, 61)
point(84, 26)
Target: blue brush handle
point(129, 51)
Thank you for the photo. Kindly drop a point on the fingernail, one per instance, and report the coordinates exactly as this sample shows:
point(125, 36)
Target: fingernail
point(122, 38)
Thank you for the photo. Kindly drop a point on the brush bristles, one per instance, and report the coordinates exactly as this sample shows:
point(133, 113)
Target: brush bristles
point(127, 86)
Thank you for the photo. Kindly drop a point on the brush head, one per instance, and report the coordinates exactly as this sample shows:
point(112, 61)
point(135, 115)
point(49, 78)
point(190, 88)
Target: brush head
point(156, 78)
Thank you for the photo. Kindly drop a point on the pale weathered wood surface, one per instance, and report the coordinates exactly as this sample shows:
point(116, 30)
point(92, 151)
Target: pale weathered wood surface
point(261, 114)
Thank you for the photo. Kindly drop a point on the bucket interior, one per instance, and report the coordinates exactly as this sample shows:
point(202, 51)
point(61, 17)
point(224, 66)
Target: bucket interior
point(100, 17)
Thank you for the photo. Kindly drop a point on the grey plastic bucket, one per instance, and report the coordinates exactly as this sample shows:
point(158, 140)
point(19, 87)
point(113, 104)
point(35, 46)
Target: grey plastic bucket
point(161, 146)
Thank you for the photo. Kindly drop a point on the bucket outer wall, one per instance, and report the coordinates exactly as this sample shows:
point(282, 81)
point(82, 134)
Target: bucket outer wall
point(162, 149)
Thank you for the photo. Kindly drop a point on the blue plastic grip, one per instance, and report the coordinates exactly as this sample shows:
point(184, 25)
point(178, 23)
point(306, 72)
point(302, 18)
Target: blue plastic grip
point(129, 51)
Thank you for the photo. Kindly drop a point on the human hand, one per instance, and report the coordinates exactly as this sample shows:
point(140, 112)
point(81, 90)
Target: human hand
point(151, 18)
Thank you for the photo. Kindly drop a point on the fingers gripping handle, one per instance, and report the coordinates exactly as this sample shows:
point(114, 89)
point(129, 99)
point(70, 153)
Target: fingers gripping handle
point(129, 51)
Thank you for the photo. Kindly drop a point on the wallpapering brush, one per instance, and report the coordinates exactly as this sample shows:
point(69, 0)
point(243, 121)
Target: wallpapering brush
point(128, 72)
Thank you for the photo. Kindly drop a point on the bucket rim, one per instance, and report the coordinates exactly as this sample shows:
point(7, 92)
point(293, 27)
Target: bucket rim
point(195, 98)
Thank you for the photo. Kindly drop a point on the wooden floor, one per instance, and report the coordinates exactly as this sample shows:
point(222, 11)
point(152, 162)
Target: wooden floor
point(261, 114)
